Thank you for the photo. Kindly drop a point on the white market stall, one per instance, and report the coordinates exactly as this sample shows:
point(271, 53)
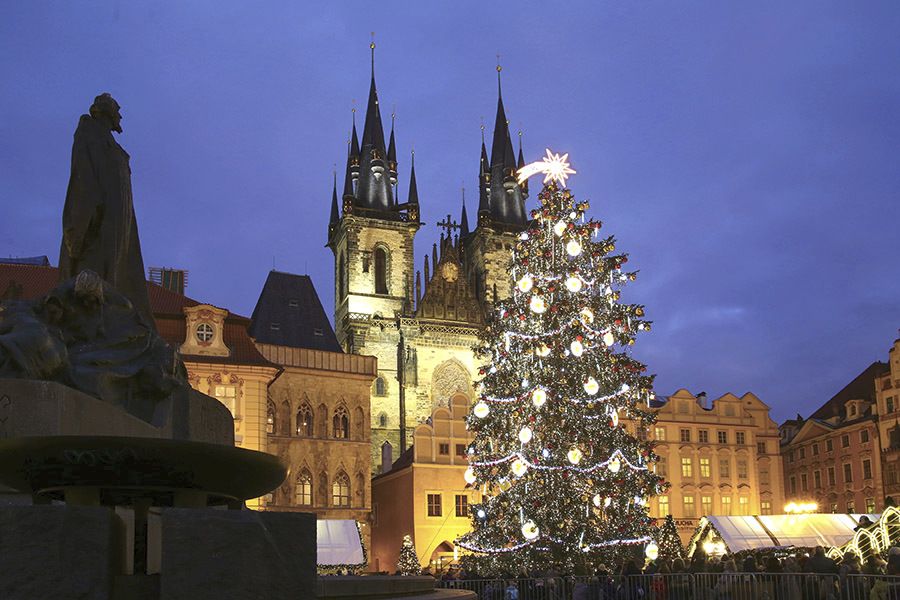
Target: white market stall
point(339, 544)
point(721, 534)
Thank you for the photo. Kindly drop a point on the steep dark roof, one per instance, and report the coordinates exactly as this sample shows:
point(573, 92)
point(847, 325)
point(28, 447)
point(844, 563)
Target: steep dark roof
point(861, 388)
point(28, 282)
point(289, 313)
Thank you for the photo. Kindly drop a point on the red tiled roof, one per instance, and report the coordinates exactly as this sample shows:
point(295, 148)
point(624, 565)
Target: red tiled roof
point(29, 281)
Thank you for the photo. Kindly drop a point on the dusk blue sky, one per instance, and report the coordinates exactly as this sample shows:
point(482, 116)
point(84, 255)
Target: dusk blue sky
point(744, 153)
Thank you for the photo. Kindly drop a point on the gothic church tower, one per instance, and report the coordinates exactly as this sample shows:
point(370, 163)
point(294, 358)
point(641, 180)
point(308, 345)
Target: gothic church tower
point(372, 240)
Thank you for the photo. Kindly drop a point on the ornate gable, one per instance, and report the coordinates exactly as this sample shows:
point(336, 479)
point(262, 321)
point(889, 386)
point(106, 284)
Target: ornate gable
point(448, 295)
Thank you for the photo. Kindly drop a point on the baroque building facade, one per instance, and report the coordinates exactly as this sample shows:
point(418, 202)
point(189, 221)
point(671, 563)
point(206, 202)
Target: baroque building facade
point(887, 401)
point(720, 458)
point(421, 325)
point(833, 458)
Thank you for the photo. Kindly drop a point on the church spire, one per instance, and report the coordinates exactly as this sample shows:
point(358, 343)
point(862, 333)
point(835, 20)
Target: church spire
point(521, 163)
point(374, 191)
point(504, 199)
point(413, 197)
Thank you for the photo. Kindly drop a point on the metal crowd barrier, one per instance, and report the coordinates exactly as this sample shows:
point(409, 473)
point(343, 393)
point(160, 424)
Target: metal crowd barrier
point(685, 586)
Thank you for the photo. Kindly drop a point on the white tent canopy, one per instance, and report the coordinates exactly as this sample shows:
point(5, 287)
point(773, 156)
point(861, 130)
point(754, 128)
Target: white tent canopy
point(778, 531)
point(338, 543)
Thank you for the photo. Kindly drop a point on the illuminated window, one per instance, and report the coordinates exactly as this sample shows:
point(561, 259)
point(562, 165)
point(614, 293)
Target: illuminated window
point(687, 469)
point(870, 505)
point(685, 435)
point(765, 507)
point(705, 505)
point(462, 505)
point(867, 469)
point(851, 507)
point(704, 436)
point(226, 395)
point(743, 505)
point(742, 468)
point(663, 506)
point(726, 505)
point(204, 333)
point(689, 506)
point(704, 467)
point(740, 438)
point(303, 490)
point(660, 433)
point(434, 505)
point(340, 490)
point(305, 420)
point(722, 437)
point(724, 467)
point(381, 271)
point(341, 424)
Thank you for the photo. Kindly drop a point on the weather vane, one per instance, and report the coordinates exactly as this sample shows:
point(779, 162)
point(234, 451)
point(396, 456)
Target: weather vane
point(553, 166)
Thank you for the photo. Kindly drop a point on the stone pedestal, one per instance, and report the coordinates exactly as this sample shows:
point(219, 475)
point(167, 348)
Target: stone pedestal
point(59, 552)
point(64, 552)
point(237, 554)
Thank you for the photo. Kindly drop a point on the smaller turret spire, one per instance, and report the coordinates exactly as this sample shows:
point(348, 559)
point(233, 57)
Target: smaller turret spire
point(413, 197)
point(464, 218)
point(335, 215)
point(521, 164)
point(392, 152)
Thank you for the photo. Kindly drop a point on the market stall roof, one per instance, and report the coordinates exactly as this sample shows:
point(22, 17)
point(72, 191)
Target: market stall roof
point(338, 543)
point(780, 531)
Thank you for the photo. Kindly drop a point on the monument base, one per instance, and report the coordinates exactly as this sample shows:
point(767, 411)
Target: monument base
point(64, 552)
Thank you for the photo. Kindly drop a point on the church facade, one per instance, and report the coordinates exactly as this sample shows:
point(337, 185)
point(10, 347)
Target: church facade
point(420, 324)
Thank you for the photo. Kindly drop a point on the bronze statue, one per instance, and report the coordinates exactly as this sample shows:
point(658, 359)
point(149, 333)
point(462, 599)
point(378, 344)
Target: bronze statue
point(99, 226)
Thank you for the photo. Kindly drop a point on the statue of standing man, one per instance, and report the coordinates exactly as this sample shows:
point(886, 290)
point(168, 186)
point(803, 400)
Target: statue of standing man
point(99, 226)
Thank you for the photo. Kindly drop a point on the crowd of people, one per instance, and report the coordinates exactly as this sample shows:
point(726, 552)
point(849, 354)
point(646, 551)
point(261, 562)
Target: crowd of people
point(812, 576)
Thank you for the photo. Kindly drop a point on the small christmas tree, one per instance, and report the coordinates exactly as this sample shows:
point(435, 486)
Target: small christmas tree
point(668, 540)
point(566, 482)
point(408, 562)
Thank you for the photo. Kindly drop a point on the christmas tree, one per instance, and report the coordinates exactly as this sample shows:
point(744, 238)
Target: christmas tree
point(408, 562)
point(565, 480)
point(668, 540)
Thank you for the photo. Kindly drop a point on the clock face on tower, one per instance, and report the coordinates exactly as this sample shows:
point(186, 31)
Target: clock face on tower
point(449, 271)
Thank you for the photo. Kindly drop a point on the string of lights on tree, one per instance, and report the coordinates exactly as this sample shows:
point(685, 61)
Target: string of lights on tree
point(668, 540)
point(408, 562)
point(565, 482)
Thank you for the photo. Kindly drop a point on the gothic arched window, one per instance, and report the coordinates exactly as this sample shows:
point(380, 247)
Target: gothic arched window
point(341, 278)
point(270, 416)
point(382, 420)
point(380, 388)
point(340, 490)
point(305, 420)
point(381, 271)
point(303, 490)
point(341, 423)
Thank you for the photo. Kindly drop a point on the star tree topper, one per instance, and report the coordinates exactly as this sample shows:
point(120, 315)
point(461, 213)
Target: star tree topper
point(553, 166)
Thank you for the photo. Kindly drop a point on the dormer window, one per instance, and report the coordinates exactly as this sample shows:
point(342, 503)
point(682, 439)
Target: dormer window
point(274, 326)
point(852, 410)
point(318, 331)
point(204, 333)
point(293, 303)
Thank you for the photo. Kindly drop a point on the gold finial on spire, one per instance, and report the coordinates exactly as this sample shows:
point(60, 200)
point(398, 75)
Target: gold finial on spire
point(482, 130)
point(372, 48)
